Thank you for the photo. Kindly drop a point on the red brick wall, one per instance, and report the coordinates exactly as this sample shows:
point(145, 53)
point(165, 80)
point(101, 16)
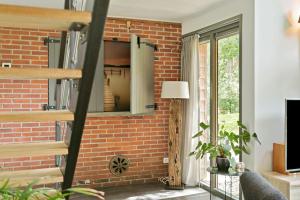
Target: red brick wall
point(24, 48)
point(143, 139)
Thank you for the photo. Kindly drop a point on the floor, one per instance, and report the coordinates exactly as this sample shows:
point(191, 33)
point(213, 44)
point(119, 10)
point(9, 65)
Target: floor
point(150, 192)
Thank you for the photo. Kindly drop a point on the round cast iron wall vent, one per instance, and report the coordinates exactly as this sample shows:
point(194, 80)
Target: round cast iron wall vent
point(118, 165)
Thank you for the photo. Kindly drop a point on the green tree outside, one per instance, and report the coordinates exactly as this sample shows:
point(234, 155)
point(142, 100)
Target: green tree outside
point(228, 80)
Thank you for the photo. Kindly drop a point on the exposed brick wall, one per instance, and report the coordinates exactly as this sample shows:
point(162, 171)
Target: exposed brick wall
point(143, 139)
point(24, 48)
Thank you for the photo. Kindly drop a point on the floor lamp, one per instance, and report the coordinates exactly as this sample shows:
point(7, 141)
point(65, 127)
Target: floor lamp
point(176, 91)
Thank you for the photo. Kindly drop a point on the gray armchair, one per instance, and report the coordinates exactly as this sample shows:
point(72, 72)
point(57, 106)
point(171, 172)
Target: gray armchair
point(256, 187)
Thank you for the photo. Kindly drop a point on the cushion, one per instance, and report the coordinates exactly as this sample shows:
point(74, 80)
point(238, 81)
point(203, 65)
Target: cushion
point(255, 187)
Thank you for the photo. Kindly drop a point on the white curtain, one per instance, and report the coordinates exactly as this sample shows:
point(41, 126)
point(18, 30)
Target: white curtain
point(190, 73)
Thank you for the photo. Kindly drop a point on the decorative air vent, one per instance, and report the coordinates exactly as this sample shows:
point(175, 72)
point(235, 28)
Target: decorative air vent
point(118, 165)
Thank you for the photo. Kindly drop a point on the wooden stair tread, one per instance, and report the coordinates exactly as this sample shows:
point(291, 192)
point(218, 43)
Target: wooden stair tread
point(25, 177)
point(46, 73)
point(40, 18)
point(36, 116)
point(33, 149)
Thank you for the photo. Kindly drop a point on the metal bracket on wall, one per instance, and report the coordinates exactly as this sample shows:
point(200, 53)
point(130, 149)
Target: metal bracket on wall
point(75, 84)
point(58, 137)
point(84, 34)
point(77, 26)
point(154, 46)
point(155, 106)
point(139, 42)
point(51, 40)
point(51, 107)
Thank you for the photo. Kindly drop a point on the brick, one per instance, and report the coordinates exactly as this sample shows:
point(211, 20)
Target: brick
point(141, 138)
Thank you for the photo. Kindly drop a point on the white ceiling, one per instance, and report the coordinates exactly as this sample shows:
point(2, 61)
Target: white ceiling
point(164, 10)
point(36, 3)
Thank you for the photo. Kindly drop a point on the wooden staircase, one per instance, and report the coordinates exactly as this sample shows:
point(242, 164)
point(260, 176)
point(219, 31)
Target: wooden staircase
point(41, 18)
point(50, 73)
point(33, 149)
point(36, 116)
point(25, 177)
point(62, 20)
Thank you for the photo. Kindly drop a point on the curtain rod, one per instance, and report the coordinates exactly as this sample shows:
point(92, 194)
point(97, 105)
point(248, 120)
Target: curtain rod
point(232, 20)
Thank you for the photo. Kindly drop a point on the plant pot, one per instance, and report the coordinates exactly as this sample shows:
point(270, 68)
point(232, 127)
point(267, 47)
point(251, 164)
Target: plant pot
point(223, 164)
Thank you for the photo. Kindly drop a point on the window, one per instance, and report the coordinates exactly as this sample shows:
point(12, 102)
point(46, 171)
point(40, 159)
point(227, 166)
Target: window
point(116, 76)
point(220, 96)
point(228, 95)
point(123, 79)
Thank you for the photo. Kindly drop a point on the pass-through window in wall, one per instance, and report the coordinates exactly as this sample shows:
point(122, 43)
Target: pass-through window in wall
point(123, 79)
point(116, 76)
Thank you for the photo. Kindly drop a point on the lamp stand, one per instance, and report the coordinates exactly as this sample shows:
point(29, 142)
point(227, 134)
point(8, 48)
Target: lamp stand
point(174, 145)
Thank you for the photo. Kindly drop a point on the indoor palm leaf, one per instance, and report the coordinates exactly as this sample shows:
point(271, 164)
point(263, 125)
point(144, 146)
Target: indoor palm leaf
point(29, 193)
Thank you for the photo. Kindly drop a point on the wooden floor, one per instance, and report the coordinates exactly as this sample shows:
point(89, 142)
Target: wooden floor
point(150, 192)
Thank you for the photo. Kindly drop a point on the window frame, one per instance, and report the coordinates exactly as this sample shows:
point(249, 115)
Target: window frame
point(212, 34)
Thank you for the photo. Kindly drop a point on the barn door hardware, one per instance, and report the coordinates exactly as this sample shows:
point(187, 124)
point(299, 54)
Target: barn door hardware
point(51, 107)
point(155, 106)
point(154, 46)
point(51, 40)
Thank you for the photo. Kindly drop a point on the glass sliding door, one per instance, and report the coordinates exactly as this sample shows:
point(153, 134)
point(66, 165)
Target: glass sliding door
point(228, 95)
point(220, 96)
point(204, 102)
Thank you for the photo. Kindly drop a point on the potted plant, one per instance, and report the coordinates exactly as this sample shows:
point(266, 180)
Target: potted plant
point(29, 193)
point(228, 143)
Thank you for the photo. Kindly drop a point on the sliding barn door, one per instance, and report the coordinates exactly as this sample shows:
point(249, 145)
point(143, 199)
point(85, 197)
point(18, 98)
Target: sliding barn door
point(142, 79)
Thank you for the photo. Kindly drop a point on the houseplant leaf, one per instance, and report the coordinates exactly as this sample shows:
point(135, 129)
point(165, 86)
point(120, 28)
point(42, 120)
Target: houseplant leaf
point(203, 126)
point(199, 145)
point(241, 125)
point(236, 149)
point(245, 150)
point(199, 154)
point(254, 135)
point(246, 137)
point(88, 192)
point(200, 133)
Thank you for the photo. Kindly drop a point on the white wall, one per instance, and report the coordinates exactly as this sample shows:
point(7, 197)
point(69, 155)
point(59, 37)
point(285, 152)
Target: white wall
point(270, 75)
point(277, 74)
point(224, 11)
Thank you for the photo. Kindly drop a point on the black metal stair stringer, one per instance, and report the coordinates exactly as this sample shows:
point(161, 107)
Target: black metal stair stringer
point(95, 35)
